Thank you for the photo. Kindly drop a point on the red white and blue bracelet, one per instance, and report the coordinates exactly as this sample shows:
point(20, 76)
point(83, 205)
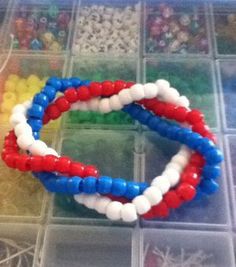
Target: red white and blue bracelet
point(153, 195)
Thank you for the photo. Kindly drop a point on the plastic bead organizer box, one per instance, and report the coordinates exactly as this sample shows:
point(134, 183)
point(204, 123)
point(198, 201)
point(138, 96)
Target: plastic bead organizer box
point(190, 44)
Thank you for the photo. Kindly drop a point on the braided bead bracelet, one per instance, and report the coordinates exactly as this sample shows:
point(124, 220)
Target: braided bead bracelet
point(146, 114)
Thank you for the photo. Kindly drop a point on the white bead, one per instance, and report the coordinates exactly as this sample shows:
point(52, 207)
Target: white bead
point(153, 194)
point(125, 97)
point(142, 204)
point(38, 148)
point(115, 103)
point(183, 102)
point(180, 160)
point(104, 106)
point(83, 106)
point(113, 211)
point(101, 204)
point(162, 85)
point(75, 106)
point(171, 95)
point(19, 109)
point(17, 118)
point(22, 128)
point(128, 213)
point(24, 141)
point(90, 200)
point(185, 151)
point(79, 198)
point(174, 165)
point(172, 175)
point(136, 91)
point(161, 183)
point(27, 104)
point(150, 90)
point(50, 151)
point(93, 104)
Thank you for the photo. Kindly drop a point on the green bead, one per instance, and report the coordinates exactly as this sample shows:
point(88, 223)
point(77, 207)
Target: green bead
point(53, 11)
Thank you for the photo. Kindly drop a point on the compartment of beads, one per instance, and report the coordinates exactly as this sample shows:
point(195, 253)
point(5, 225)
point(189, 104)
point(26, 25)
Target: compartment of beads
point(115, 153)
point(19, 244)
point(107, 27)
point(224, 21)
point(186, 248)
point(172, 28)
point(87, 246)
point(194, 78)
point(41, 26)
point(22, 197)
point(101, 69)
point(23, 77)
point(204, 212)
point(227, 85)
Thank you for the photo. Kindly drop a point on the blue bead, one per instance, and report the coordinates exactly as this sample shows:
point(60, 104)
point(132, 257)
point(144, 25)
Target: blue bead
point(73, 185)
point(118, 188)
point(41, 99)
point(50, 92)
point(134, 111)
point(211, 171)
point(144, 116)
point(214, 156)
point(142, 186)
point(171, 132)
point(61, 185)
point(36, 135)
point(132, 190)
point(162, 128)
point(65, 84)
point(153, 123)
point(104, 185)
point(54, 82)
point(127, 108)
point(199, 195)
point(85, 82)
point(183, 134)
point(193, 140)
point(36, 111)
point(205, 145)
point(45, 175)
point(89, 185)
point(209, 186)
point(35, 124)
point(75, 81)
point(50, 185)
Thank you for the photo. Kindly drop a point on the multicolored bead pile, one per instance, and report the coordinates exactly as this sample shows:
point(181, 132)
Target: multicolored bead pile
point(190, 173)
point(41, 29)
point(171, 31)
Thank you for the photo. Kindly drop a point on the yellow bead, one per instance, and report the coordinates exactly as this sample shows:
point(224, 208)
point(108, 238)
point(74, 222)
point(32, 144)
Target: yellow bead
point(7, 106)
point(21, 86)
point(9, 96)
point(4, 117)
point(10, 85)
point(55, 46)
point(33, 79)
point(13, 77)
point(24, 97)
point(33, 89)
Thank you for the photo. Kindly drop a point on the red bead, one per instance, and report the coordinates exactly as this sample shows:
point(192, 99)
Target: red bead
point(190, 177)
point(91, 171)
point(159, 108)
point(195, 116)
point(180, 114)
point(186, 191)
point(36, 163)
point(22, 163)
point(119, 85)
point(95, 89)
point(71, 95)
point(172, 199)
point(10, 143)
point(53, 112)
point(63, 165)
point(211, 136)
point(169, 111)
point(83, 93)
point(46, 118)
point(149, 215)
point(193, 168)
point(150, 103)
point(129, 84)
point(76, 169)
point(11, 159)
point(200, 128)
point(49, 163)
point(62, 104)
point(108, 88)
point(161, 210)
point(197, 159)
